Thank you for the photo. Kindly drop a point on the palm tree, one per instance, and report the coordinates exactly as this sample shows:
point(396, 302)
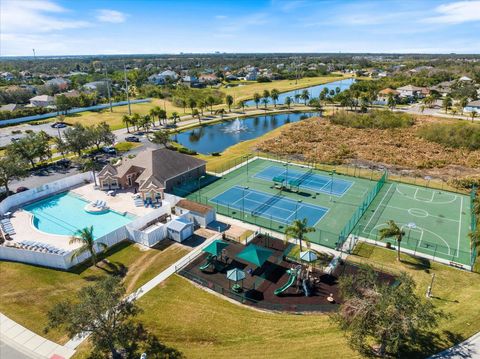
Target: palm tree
point(288, 101)
point(265, 103)
point(265, 97)
point(256, 98)
point(305, 96)
point(297, 97)
point(192, 104)
point(463, 103)
point(135, 119)
point(297, 230)
point(126, 119)
point(393, 230)
point(274, 94)
point(210, 101)
point(391, 103)
point(154, 112)
point(174, 117)
point(85, 237)
point(242, 104)
point(229, 102)
point(473, 114)
point(447, 103)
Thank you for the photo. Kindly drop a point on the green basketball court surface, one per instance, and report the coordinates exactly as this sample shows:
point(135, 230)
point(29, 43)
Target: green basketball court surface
point(436, 223)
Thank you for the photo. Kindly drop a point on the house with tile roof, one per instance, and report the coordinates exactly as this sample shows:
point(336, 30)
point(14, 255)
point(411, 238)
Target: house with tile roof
point(152, 172)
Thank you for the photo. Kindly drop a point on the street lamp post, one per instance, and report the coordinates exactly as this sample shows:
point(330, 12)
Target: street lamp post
point(410, 226)
point(247, 157)
point(286, 173)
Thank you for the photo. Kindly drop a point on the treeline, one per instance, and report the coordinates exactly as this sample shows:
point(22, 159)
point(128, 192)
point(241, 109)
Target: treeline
point(374, 119)
point(456, 135)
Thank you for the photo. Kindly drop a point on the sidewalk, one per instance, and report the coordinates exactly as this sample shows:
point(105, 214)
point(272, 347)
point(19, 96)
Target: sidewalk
point(140, 292)
point(29, 343)
point(469, 348)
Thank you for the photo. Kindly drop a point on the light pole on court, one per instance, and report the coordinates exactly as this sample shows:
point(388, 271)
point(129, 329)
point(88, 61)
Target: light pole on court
point(243, 202)
point(296, 207)
point(247, 157)
point(331, 184)
point(286, 173)
point(410, 226)
point(199, 188)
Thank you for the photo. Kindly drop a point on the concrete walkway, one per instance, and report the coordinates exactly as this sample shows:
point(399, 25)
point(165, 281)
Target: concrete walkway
point(140, 292)
point(28, 343)
point(469, 348)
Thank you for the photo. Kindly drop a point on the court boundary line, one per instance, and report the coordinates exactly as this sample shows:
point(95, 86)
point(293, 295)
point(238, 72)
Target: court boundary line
point(325, 210)
point(376, 209)
point(350, 183)
point(455, 196)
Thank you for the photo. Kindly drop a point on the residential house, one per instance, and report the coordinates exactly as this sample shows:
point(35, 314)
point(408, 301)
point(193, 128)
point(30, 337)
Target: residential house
point(152, 172)
point(465, 79)
point(252, 75)
point(383, 95)
point(42, 101)
point(190, 81)
point(443, 88)
point(209, 79)
point(163, 77)
point(411, 91)
point(473, 106)
point(10, 107)
point(7, 76)
point(59, 83)
point(95, 85)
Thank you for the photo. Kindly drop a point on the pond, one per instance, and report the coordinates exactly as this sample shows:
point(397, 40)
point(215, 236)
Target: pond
point(314, 91)
point(218, 137)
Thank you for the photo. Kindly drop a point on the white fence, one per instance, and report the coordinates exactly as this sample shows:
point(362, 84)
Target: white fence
point(59, 261)
point(35, 194)
point(17, 120)
point(172, 199)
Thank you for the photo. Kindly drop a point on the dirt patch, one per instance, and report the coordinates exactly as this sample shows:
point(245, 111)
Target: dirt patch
point(399, 150)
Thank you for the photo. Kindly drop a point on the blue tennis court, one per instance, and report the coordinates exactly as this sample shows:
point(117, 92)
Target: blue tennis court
point(307, 179)
point(275, 207)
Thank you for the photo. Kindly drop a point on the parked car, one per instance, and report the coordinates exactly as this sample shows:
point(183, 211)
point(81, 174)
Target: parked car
point(59, 125)
point(132, 139)
point(21, 189)
point(109, 150)
point(65, 162)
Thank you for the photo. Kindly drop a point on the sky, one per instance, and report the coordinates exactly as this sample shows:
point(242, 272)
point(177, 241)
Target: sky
point(84, 27)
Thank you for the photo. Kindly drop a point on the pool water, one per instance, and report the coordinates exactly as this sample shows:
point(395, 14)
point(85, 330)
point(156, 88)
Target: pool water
point(64, 214)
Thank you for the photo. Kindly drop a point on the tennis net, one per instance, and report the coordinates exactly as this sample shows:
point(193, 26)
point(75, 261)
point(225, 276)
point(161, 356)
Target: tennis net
point(267, 204)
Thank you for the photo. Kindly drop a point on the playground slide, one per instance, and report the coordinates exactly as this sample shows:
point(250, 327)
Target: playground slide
point(207, 264)
point(291, 280)
point(306, 290)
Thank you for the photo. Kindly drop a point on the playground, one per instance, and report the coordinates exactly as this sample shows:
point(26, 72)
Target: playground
point(259, 275)
point(435, 223)
point(272, 194)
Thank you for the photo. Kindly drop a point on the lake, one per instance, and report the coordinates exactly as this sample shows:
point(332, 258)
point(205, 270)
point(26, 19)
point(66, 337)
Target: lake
point(218, 137)
point(314, 91)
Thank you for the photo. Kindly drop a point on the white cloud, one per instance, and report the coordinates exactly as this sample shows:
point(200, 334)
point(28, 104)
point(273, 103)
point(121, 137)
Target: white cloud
point(35, 16)
point(220, 17)
point(111, 16)
point(456, 13)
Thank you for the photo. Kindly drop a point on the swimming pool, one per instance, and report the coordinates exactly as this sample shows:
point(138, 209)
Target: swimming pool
point(64, 214)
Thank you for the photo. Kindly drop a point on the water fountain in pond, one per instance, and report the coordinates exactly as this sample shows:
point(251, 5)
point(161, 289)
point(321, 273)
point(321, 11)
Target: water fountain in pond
point(235, 127)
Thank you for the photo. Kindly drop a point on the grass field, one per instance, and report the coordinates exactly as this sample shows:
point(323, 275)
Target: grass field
point(275, 216)
point(436, 223)
point(208, 326)
point(29, 292)
point(247, 89)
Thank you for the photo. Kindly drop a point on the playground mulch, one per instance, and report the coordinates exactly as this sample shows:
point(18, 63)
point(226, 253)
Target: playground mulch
point(259, 287)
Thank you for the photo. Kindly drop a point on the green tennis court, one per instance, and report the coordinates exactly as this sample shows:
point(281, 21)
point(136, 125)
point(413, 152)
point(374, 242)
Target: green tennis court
point(436, 223)
point(238, 193)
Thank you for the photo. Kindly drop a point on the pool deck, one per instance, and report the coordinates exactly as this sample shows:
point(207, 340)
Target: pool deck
point(25, 230)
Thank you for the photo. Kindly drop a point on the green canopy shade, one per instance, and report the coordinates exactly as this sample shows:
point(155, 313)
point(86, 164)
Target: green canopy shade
point(215, 248)
point(278, 179)
point(235, 275)
point(255, 254)
point(295, 182)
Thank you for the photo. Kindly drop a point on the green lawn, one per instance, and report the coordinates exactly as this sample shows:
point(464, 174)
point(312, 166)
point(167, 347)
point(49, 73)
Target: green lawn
point(28, 292)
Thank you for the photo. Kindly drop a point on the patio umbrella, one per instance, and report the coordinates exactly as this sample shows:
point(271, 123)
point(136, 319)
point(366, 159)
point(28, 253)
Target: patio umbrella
point(308, 256)
point(216, 247)
point(235, 275)
point(255, 254)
